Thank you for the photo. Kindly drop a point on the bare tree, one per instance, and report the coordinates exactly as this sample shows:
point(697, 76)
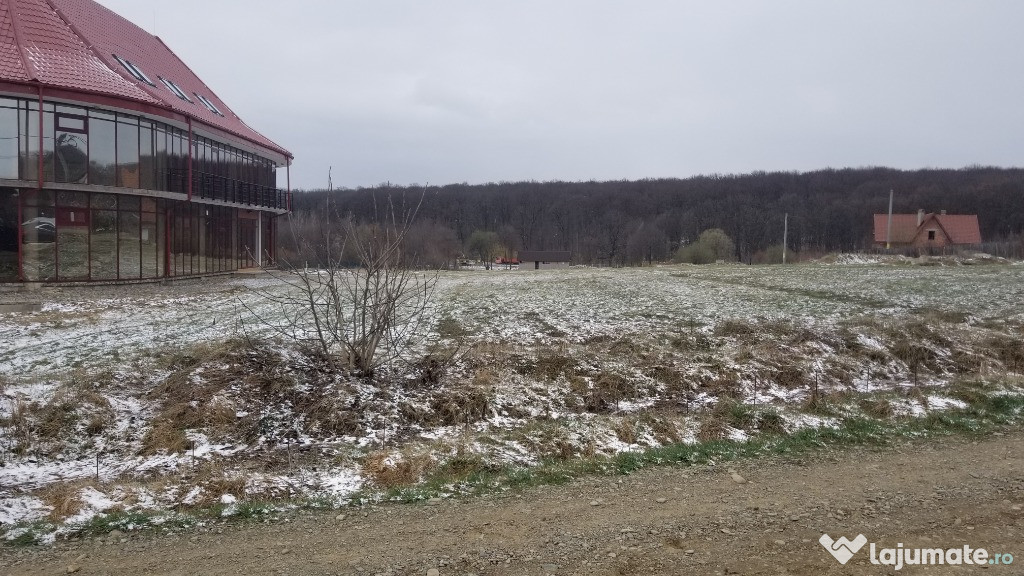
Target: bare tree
point(360, 317)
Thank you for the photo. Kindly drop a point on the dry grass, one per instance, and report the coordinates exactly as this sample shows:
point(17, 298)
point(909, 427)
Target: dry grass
point(877, 407)
point(605, 393)
point(463, 405)
point(64, 498)
point(388, 470)
point(712, 428)
point(626, 430)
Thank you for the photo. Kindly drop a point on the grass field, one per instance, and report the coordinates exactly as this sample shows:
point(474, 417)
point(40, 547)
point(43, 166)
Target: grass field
point(158, 398)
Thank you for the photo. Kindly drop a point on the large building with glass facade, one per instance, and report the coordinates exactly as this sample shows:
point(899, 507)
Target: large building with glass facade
point(117, 162)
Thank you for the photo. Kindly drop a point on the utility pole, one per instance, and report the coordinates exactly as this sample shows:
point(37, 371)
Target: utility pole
point(785, 235)
point(888, 231)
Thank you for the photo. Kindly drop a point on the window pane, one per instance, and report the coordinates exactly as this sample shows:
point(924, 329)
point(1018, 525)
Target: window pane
point(103, 245)
point(38, 232)
point(101, 152)
point(27, 150)
point(48, 145)
point(128, 203)
point(161, 239)
point(8, 234)
point(128, 153)
point(9, 143)
point(72, 160)
point(147, 164)
point(72, 199)
point(148, 245)
point(128, 245)
point(160, 167)
point(73, 242)
point(104, 201)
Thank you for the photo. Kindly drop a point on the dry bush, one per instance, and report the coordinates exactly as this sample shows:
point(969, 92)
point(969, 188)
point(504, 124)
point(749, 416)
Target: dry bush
point(789, 374)
point(387, 472)
point(464, 405)
point(605, 393)
point(432, 370)
point(739, 329)
point(1009, 350)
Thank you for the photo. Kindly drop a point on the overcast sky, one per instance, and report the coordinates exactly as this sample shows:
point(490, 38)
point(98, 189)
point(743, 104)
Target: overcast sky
point(421, 91)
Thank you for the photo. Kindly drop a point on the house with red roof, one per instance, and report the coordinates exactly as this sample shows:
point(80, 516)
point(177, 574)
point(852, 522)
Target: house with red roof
point(929, 230)
point(117, 162)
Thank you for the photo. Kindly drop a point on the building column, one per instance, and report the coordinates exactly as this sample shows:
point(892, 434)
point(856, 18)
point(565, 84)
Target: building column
point(259, 240)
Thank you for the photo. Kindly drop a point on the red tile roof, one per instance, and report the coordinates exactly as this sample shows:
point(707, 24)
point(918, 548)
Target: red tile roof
point(960, 228)
point(70, 44)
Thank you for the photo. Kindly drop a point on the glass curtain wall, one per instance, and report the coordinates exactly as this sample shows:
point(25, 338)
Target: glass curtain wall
point(82, 236)
point(87, 146)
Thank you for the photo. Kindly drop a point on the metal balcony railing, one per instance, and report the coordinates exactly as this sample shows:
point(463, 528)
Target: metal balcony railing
point(215, 187)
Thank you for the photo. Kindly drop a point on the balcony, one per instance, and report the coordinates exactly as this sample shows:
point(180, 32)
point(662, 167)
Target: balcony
point(214, 187)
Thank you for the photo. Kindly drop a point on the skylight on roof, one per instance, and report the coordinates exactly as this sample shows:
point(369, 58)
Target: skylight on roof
point(134, 70)
point(210, 105)
point(176, 89)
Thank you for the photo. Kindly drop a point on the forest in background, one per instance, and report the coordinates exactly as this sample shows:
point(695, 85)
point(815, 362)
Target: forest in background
point(635, 222)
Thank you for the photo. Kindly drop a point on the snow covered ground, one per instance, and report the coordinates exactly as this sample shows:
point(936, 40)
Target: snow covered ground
point(539, 364)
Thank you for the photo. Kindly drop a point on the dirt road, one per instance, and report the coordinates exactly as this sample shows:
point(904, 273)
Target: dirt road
point(766, 518)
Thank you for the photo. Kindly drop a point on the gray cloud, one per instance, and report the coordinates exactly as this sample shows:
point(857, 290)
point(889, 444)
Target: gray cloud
point(451, 91)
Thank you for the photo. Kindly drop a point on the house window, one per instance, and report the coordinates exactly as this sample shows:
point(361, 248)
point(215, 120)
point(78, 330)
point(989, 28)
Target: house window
point(931, 234)
point(134, 70)
point(176, 90)
point(209, 105)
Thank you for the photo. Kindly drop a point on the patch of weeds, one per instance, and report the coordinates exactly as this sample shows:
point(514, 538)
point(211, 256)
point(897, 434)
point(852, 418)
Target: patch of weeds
point(31, 534)
point(739, 329)
point(254, 510)
point(114, 520)
point(449, 327)
point(770, 422)
point(551, 366)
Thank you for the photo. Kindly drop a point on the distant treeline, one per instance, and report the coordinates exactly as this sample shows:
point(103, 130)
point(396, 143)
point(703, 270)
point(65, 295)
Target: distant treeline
point(633, 222)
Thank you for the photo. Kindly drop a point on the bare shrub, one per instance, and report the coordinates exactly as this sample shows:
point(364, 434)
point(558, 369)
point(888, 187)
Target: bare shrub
point(361, 306)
